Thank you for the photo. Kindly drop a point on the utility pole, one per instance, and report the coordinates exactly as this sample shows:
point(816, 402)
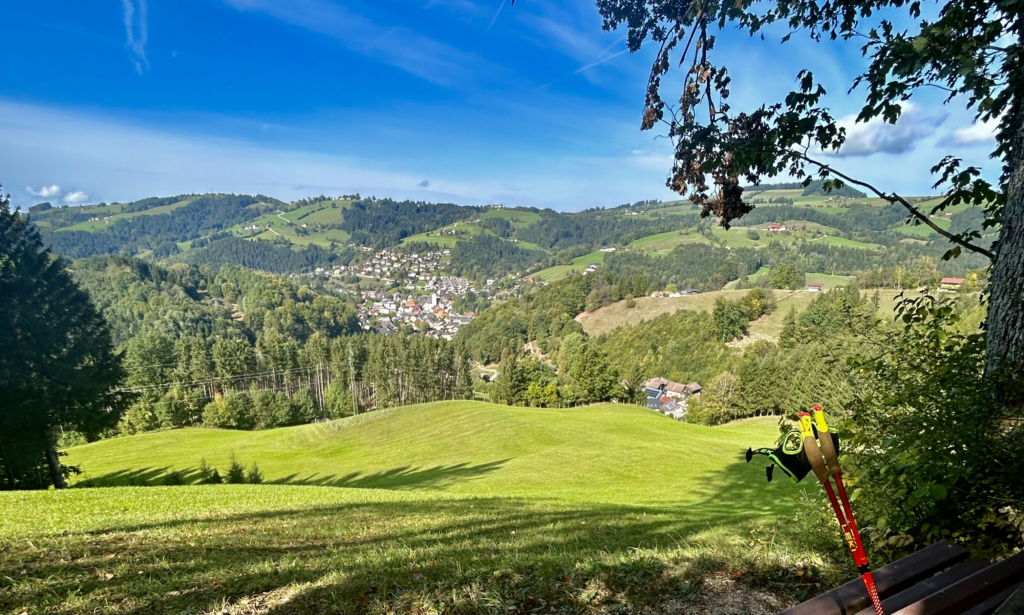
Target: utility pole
point(352, 378)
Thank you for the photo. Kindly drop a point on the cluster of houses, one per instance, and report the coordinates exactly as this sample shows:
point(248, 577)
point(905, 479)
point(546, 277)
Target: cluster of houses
point(434, 315)
point(670, 398)
point(411, 268)
point(681, 293)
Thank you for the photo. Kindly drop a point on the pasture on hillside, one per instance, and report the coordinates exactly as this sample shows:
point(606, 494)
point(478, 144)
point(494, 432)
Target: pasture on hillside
point(579, 264)
point(612, 316)
point(452, 507)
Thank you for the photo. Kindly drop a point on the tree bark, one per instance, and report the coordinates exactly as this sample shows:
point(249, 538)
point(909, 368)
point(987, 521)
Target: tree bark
point(1004, 359)
point(53, 461)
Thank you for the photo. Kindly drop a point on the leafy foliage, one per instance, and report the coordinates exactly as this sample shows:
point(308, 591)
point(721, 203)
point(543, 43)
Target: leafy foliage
point(486, 256)
point(933, 453)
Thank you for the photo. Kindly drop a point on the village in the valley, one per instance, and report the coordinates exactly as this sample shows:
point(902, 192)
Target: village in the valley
point(419, 293)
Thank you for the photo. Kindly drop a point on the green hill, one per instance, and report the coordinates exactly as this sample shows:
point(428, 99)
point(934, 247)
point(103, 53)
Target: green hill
point(608, 453)
point(460, 507)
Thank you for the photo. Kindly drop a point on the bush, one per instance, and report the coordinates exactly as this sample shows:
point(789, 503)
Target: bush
point(70, 438)
point(338, 400)
point(264, 408)
point(304, 408)
point(208, 475)
point(233, 411)
point(753, 234)
point(236, 472)
point(630, 302)
point(933, 452)
point(253, 476)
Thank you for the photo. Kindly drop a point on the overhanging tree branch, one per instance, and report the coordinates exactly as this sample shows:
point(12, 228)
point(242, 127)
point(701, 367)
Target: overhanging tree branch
point(895, 198)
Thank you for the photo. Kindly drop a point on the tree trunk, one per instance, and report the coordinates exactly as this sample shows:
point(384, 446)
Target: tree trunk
point(1004, 359)
point(54, 463)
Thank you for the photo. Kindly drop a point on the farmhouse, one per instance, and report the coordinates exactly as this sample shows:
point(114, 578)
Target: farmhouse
point(776, 228)
point(670, 398)
point(815, 287)
point(951, 284)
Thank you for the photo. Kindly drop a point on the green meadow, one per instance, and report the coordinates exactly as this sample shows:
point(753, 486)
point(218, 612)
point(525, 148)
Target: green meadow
point(450, 507)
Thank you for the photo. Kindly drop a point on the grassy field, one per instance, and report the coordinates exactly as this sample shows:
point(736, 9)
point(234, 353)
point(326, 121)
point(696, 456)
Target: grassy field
point(663, 243)
point(849, 243)
point(579, 264)
point(448, 241)
point(115, 212)
point(617, 314)
point(518, 218)
point(460, 507)
point(612, 316)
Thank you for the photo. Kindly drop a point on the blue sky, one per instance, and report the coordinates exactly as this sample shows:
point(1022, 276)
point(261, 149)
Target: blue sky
point(471, 101)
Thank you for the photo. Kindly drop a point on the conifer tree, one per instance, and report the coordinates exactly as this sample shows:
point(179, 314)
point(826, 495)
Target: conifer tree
point(58, 368)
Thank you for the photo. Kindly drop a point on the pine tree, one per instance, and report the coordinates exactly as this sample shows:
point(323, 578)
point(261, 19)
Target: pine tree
point(464, 375)
point(58, 367)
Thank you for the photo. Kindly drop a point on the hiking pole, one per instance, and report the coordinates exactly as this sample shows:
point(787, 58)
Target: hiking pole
point(822, 473)
point(835, 468)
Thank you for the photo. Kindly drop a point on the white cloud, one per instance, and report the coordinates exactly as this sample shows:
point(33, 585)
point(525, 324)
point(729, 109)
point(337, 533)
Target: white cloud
point(979, 132)
point(46, 192)
point(876, 136)
point(415, 53)
point(136, 31)
point(128, 162)
point(76, 198)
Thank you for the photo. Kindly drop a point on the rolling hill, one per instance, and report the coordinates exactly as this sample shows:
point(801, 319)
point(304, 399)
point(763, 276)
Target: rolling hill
point(608, 453)
point(617, 314)
point(460, 507)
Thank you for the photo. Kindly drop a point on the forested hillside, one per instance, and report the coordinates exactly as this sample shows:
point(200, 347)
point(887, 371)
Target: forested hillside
point(239, 349)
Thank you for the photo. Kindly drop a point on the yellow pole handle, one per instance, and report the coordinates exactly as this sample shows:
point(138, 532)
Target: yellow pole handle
point(811, 449)
point(828, 449)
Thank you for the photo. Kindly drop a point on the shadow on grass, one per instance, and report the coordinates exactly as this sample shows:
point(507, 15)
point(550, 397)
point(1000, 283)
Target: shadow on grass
point(404, 477)
point(398, 478)
point(447, 555)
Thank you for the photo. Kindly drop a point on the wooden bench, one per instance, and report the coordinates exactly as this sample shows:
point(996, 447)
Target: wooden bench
point(937, 580)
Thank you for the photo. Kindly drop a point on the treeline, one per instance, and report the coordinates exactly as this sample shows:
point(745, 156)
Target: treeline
point(697, 266)
point(385, 222)
point(227, 383)
point(855, 218)
point(559, 231)
point(815, 188)
point(239, 349)
point(59, 217)
point(487, 256)
point(686, 346)
point(203, 215)
point(266, 255)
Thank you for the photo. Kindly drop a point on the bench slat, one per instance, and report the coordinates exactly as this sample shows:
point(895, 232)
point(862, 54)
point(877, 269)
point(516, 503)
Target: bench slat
point(929, 586)
point(972, 591)
point(889, 580)
point(989, 606)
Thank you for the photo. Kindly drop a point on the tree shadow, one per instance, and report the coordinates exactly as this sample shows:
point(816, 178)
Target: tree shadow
point(404, 477)
point(486, 555)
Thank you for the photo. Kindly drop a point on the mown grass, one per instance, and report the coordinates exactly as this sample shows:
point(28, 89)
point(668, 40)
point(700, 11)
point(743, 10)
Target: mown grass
point(769, 326)
point(446, 508)
point(464, 448)
point(843, 242)
point(447, 241)
point(519, 218)
point(579, 264)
